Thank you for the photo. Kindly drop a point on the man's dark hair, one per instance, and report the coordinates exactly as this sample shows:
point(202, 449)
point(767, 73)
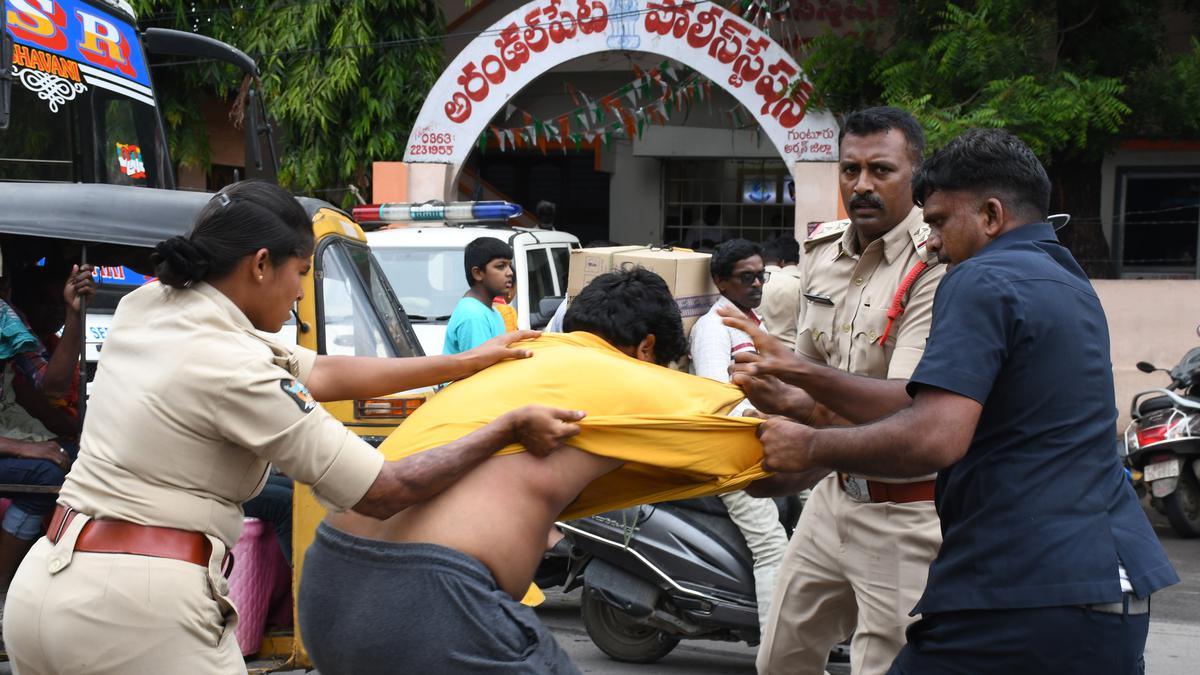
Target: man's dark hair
point(482, 251)
point(727, 255)
point(624, 307)
point(783, 249)
point(885, 118)
point(988, 162)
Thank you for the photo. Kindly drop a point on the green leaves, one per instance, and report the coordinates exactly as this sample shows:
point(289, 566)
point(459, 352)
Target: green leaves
point(343, 79)
point(990, 63)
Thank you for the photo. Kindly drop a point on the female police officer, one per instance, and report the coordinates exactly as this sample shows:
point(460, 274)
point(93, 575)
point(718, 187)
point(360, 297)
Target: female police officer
point(190, 405)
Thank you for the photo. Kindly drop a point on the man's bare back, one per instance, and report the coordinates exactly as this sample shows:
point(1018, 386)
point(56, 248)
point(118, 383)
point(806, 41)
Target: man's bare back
point(498, 513)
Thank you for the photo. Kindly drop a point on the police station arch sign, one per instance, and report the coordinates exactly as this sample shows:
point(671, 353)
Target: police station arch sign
point(542, 34)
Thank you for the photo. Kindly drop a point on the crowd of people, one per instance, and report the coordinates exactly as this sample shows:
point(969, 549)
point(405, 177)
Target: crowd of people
point(935, 368)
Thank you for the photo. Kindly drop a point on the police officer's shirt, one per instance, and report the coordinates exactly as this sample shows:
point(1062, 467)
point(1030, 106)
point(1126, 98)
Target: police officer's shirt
point(846, 295)
point(189, 406)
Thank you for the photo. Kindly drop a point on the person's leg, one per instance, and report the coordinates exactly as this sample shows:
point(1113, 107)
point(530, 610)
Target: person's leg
point(758, 519)
point(274, 505)
point(23, 519)
point(455, 618)
point(1059, 640)
point(889, 548)
point(813, 606)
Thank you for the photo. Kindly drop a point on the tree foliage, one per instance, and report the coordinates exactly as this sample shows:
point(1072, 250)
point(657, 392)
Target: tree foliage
point(1068, 76)
point(342, 78)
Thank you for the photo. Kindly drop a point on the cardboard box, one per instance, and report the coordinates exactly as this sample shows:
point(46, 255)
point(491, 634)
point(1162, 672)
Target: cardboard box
point(589, 263)
point(686, 273)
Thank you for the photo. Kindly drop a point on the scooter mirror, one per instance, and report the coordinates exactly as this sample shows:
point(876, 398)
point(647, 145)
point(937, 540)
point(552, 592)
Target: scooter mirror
point(1146, 367)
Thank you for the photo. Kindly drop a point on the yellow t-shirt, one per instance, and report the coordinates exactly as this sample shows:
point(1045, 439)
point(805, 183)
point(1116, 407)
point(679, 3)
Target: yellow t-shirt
point(669, 427)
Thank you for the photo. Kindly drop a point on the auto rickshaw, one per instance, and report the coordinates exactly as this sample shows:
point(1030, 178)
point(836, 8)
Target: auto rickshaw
point(348, 306)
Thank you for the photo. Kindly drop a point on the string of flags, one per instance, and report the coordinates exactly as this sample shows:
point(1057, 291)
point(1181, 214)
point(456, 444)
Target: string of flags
point(652, 97)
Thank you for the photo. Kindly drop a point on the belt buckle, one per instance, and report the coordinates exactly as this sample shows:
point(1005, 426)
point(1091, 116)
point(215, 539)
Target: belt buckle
point(855, 487)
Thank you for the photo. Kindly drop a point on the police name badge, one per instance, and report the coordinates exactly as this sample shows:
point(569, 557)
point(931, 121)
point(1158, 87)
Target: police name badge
point(300, 394)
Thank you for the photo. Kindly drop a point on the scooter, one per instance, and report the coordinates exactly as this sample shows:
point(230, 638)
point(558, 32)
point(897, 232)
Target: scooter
point(1163, 443)
point(654, 575)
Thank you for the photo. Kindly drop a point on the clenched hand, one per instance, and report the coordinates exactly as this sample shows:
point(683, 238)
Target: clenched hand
point(542, 429)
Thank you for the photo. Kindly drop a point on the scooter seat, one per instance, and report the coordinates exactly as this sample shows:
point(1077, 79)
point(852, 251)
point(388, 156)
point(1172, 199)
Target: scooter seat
point(1158, 403)
point(710, 505)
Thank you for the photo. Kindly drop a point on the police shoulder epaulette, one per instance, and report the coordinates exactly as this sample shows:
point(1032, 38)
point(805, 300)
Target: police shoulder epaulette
point(826, 231)
point(920, 240)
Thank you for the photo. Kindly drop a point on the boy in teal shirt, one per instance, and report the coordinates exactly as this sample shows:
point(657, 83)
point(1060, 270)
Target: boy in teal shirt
point(487, 262)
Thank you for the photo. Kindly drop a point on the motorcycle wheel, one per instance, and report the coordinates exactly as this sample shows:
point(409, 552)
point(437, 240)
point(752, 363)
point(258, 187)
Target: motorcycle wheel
point(1183, 505)
point(619, 636)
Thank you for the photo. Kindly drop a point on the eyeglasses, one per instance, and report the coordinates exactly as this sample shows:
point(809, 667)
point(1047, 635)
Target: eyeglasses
point(747, 278)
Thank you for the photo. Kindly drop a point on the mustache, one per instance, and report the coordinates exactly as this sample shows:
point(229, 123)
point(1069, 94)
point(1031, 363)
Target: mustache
point(869, 200)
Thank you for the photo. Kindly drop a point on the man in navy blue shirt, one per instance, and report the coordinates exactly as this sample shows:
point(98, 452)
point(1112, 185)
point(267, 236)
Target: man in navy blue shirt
point(1047, 562)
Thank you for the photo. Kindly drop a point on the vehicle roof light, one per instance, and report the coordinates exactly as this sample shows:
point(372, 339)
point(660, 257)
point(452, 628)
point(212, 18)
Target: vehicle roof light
point(451, 212)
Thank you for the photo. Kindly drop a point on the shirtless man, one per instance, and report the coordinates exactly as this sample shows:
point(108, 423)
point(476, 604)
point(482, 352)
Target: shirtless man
point(445, 574)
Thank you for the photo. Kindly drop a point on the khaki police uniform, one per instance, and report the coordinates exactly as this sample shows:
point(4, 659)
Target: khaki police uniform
point(189, 408)
point(780, 306)
point(860, 554)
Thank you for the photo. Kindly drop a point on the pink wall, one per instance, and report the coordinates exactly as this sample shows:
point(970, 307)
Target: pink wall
point(1148, 320)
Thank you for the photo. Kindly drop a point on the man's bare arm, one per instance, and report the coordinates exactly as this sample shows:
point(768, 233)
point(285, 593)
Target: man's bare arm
point(418, 477)
point(931, 434)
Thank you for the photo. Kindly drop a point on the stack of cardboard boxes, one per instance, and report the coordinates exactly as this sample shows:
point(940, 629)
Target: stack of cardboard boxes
point(686, 273)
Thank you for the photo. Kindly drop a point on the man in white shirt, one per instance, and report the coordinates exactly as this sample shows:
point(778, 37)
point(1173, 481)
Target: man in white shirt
point(737, 269)
point(780, 307)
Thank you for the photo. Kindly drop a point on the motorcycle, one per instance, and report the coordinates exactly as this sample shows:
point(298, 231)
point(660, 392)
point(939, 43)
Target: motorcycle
point(653, 575)
point(1163, 442)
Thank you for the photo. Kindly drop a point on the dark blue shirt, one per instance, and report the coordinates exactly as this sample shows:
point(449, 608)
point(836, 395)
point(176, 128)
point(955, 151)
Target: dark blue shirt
point(1038, 512)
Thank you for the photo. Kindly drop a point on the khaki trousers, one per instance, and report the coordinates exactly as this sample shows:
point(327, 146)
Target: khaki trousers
point(850, 567)
point(70, 613)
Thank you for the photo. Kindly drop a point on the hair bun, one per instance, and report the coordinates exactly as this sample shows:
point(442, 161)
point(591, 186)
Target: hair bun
point(180, 262)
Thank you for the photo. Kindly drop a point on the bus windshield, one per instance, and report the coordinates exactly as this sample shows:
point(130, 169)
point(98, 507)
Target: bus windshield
point(82, 106)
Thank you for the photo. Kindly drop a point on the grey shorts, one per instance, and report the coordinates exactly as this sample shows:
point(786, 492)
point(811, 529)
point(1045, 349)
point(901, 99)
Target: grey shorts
point(370, 607)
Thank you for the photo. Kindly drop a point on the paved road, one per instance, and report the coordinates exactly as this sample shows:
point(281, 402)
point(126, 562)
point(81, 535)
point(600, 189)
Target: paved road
point(1173, 647)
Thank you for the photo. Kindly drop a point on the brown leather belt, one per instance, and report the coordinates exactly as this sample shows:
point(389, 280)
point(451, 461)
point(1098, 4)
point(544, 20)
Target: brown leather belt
point(118, 536)
point(878, 492)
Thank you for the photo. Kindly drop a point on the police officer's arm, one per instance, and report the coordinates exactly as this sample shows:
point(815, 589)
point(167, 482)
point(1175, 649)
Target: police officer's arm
point(262, 408)
point(926, 437)
point(854, 397)
point(340, 378)
point(419, 476)
point(969, 341)
point(845, 396)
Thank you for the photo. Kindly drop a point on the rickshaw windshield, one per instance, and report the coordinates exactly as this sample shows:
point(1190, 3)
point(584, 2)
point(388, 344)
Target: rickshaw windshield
point(356, 311)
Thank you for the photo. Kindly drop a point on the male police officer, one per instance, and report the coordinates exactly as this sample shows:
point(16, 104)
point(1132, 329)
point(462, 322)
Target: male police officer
point(1048, 561)
point(859, 556)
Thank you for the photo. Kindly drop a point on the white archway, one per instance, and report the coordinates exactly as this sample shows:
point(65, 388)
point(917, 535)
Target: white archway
point(542, 34)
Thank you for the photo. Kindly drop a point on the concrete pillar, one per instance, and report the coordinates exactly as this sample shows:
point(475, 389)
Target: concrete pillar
point(635, 210)
point(410, 182)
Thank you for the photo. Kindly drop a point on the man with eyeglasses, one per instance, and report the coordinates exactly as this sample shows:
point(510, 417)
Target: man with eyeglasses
point(737, 270)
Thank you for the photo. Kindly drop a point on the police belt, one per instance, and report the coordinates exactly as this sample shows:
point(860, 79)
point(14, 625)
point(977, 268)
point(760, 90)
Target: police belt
point(117, 536)
point(867, 491)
